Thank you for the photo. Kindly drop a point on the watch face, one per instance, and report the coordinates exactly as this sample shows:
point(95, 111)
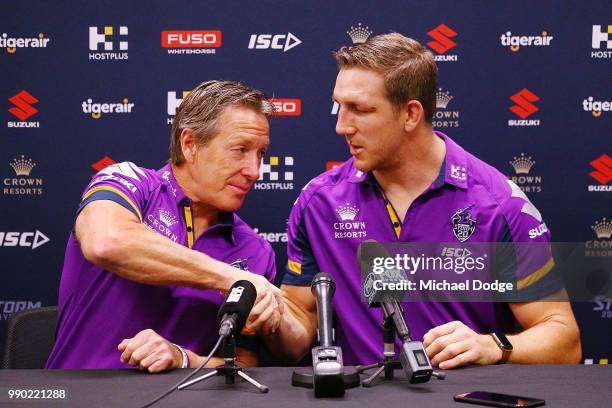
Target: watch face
point(502, 341)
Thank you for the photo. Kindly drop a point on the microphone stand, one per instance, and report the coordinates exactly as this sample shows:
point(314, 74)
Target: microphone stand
point(229, 369)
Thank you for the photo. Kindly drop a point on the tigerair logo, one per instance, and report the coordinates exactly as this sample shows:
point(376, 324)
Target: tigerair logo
point(359, 34)
point(601, 38)
point(527, 182)
point(191, 42)
point(23, 108)
point(272, 237)
point(287, 107)
point(102, 164)
point(602, 173)
point(96, 110)
point(173, 103)
point(282, 42)
point(602, 245)
point(442, 42)
point(23, 239)
point(12, 44)
point(524, 107)
point(596, 107)
point(22, 183)
point(443, 117)
point(269, 174)
point(109, 40)
point(515, 42)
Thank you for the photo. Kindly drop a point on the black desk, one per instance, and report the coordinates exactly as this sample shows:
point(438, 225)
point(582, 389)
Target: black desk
point(560, 386)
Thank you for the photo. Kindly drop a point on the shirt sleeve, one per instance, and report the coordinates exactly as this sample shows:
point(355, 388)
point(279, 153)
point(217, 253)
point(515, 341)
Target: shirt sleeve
point(124, 183)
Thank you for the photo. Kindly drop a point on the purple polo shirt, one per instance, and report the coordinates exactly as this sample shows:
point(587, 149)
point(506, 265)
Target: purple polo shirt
point(98, 309)
point(343, 207)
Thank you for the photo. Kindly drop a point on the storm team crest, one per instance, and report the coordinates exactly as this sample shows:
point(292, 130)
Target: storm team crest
point(463, 224)
point(241, 263)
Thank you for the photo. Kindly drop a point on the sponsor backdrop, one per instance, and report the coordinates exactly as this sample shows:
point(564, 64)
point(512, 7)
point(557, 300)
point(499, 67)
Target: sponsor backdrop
point(525, 86)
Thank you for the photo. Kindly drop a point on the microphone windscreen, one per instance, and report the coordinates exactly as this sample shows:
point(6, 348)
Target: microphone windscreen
point(240, 301)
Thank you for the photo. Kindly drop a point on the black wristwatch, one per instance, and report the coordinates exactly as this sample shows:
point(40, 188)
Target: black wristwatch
point(504, 344)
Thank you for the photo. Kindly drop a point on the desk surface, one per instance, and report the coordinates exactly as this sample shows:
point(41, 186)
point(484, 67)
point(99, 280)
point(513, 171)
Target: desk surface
point(560, 386)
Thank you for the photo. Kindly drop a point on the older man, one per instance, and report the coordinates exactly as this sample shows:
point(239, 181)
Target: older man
point(153, 252)
point(406, 182)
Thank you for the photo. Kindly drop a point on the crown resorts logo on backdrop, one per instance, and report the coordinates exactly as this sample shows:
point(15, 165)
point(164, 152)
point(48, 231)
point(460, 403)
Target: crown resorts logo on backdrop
point(12, 44)
point(22, 183)
point(444, 118)
point(281, 42)
point(347, 227)
point(287, 106)
point(601, 246)
point(269, 174)
point(442, 43)
point(601, 42)
point(524, 107)
point(106, 41)
point(596, 107)
point(359, 34)
point(23, 108)
point(602, 173)
point(527, 182)
point(96, 109)
point(173, 103)
point(101, 164)
point(191, 42)
point(515, 42)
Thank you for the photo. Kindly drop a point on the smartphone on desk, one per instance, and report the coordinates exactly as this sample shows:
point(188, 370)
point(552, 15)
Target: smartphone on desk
point(498, 400)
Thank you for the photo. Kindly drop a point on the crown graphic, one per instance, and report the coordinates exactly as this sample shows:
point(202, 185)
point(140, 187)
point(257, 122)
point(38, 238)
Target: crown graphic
point(522, 165)
point(442, 99)
point(359, 34)
point(166, 217)
point(347, 212)
point(603, 228)
point(22, 166)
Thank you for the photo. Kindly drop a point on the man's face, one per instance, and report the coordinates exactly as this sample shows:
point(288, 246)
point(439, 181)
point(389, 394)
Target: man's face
point(225, 169)
point(373, 130)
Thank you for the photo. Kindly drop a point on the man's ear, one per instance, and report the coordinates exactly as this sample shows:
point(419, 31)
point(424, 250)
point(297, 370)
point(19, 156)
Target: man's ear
point(413, 113)
point(188, 145)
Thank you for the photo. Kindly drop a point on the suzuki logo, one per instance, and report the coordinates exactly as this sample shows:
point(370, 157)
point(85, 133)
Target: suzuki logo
point(23, 109)
point(524, 108)
point(603, 165)
point(283, 42)
point(442, 34)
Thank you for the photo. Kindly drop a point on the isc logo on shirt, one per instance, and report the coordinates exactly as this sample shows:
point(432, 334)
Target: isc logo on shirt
point(283, 42)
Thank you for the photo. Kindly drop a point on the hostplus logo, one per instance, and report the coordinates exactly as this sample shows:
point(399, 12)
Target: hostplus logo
point(280, 42)
point(272, 237)
point(527, 182)
point(12, 44)
point(22, 183)
point(106, 41)
point(191, 42)
point(23, 239)
point(23, 108)
point(524, 108)
point(96, 109)
point(602, 173)
point(601, 42)
point(443, 117)
point(287, 106)
point(601, 246)
point(8, 307)
point(174, 101)
point(359, 34)
point(348, 226)
point(442, 42)
point(515, 42)
point(596, 107)
point(269, 174)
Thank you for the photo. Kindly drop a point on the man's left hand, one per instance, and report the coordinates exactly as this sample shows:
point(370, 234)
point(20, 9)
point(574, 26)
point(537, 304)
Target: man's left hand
point(454, 344)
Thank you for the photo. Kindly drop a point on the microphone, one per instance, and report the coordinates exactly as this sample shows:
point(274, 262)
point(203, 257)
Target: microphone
point(237, 307)
point(327, 365)
point(413, 357)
